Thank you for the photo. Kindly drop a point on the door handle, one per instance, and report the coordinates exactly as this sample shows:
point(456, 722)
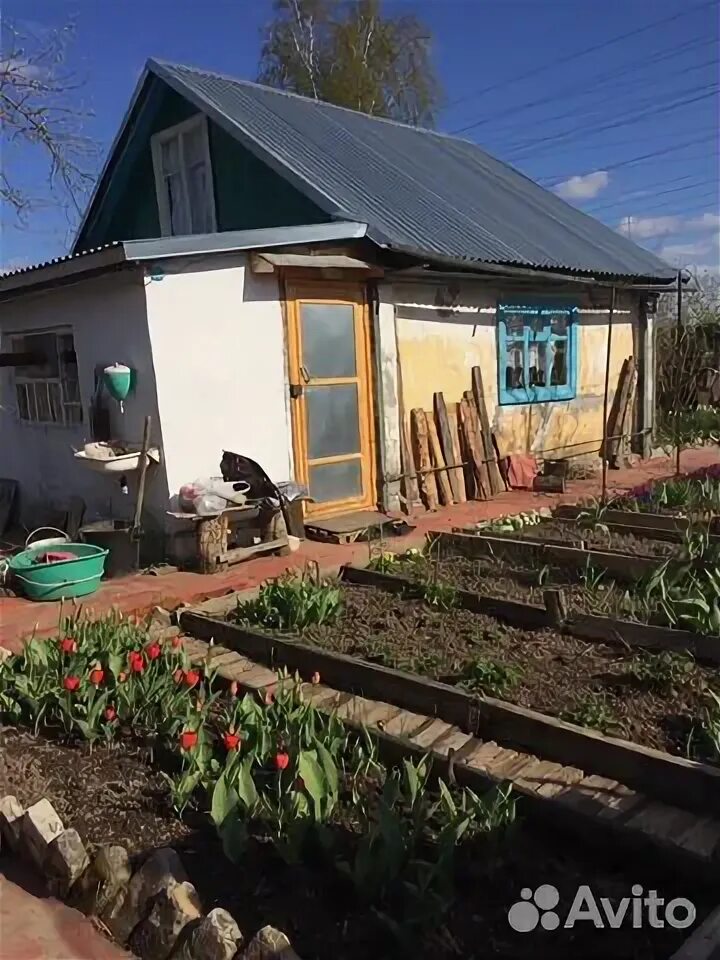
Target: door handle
point(296, 391)
point(304, 373)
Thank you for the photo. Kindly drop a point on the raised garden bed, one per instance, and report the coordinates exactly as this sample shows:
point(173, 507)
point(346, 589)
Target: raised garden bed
point(118, 796)
point(654, 702)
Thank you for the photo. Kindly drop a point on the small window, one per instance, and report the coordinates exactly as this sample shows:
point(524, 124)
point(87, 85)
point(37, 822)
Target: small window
point(47, 389)
point(183, 179)
point(536, 353)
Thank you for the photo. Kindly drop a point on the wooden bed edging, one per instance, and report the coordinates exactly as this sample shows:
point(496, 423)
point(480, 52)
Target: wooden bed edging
point(622, 566)
point(511, 611)
point(685, 783)
point(610, 630)
point(650, 525)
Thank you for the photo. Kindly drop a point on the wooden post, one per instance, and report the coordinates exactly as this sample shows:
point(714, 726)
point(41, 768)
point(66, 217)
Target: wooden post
point(494, 477)
point(442, 421)
point(474, 448)
point(605, 451)
point(446, 496)
point(678, 334)
point(141, 479)
point(421, 449)
point(457, 456)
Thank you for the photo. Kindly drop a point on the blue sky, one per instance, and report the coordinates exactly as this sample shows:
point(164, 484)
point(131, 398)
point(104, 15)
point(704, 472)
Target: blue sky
point(518, 78)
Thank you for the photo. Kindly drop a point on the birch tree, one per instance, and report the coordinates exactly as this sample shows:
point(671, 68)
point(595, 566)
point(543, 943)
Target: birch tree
point(351, 53)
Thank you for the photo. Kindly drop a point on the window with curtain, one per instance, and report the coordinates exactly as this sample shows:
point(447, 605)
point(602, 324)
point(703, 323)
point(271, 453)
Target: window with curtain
point(537, 352)
point(183, 179)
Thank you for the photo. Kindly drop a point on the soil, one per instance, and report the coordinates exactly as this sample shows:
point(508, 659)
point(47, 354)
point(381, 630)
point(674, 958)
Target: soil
point(569, 532)
point(117, 795)
point(556, 674)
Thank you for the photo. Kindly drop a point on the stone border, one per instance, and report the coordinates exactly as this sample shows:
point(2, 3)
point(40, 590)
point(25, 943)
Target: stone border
point(152, 909)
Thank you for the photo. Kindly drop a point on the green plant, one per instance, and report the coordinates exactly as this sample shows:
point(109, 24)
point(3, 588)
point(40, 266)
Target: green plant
point(489, 677)
point(664, 671)
point(592, 576)
point(438, 594)
point(710, 726)
point(591, 710)
point(293, 602)
point(384, 562)
point(593, 517)
point(515, 522)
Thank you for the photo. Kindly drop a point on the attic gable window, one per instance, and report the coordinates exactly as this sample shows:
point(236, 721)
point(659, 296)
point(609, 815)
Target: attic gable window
point(183, 178)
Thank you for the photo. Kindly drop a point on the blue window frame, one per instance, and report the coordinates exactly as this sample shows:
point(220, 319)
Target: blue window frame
point(537, 352)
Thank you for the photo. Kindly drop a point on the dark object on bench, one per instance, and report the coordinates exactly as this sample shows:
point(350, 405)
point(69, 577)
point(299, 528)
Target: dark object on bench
point(235, 467)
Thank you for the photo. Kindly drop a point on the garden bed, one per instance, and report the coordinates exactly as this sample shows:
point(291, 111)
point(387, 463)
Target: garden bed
point(570, 533)
point(116, 795)
point(655, 701)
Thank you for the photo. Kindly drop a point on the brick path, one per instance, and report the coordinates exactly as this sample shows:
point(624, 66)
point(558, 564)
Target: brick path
point(139, 594)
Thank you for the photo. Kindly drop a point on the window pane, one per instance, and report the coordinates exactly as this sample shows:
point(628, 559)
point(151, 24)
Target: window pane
point(45, 345)
point(22, 401)
point(514, 323)
point(71, 390)
point(336, 481)
point(199, 200)
point(559, 373)
point(179, 219)
point(537, 364)
point(43, 403)
point(170, 156)
point(55, 402)
point(558, 320)
point(332, 421)
point(328, 339)
point(514, 364)
point(73, 414)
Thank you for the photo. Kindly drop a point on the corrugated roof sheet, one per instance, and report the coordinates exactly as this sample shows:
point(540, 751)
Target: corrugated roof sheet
point(416, 189)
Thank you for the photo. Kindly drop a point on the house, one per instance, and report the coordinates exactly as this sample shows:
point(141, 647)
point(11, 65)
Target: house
point(289, 279)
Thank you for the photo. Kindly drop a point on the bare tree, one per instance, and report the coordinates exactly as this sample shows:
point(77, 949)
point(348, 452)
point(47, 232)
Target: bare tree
point(352, 53)
point(38, 112)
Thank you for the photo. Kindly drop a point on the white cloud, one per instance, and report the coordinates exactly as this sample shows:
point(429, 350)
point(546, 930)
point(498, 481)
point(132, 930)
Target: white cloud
point(642, 228)
point(583, 187)
point(684, 251)
point(709, 220)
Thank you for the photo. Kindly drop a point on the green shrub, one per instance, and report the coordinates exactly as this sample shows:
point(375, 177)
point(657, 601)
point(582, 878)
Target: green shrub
point(293, 602)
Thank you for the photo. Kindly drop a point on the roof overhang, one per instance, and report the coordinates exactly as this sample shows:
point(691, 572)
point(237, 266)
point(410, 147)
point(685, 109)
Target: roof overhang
point(132, 252)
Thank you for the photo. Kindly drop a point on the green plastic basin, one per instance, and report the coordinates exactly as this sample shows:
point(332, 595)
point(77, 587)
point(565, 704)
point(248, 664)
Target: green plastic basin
point(63, 580)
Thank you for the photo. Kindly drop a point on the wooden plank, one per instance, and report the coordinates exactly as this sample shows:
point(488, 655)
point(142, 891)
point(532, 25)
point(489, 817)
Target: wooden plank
point(617, 426)
point(457, 453)
point(649, 636)
point(627, 518)
point(442, 422)
point(496, 481)
point(443, 480)
point(484, 475)
point(410, 480)
point(472, 445)
point(421, 450)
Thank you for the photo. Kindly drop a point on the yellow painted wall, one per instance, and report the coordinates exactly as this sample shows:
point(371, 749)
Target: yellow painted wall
point(438, 355)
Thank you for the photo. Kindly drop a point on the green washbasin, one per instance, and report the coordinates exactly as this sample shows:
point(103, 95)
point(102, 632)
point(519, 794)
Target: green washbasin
point(63, 580)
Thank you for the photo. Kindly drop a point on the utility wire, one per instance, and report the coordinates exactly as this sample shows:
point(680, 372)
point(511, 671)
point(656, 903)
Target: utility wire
point(660, 193)
point(577, 55)
point(598, 83)
point(683, 211)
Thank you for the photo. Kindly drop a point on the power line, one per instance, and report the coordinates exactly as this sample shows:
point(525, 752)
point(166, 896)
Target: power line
point(596, 83)
point(653, 155)
point(661, 193)
point(711, 194)
point(651, 85)
point(623, 121)
point(684, 12)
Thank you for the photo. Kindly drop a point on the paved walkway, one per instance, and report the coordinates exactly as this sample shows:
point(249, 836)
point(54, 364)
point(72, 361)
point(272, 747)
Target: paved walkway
point(140, 593)
point(36, 927)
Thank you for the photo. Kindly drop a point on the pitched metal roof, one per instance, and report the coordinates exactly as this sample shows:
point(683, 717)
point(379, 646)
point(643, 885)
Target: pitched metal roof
point(161, 248)
point(419, 191)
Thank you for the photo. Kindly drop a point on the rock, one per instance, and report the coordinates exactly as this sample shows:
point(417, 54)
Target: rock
point(101, 888)
point(216, 937)
point(158, 872)
point(269, 944)
point(11, 814)
point(174, 908)
point(40, 825)
point(161, 617)
point(66, 860)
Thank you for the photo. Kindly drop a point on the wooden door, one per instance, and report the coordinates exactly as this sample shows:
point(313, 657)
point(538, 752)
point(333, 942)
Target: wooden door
point(331, 396)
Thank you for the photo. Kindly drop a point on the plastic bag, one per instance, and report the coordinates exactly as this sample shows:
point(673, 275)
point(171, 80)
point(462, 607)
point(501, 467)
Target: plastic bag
point(209, 505)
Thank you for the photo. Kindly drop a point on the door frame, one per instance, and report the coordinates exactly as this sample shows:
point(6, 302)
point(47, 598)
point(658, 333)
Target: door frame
point(299, 289)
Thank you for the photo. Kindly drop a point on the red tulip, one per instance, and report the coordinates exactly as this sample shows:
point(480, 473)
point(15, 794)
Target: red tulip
point(191, 678)
point(122, 677)
point(281, 760)
point(176, 642)
point(234, 689)
point(269, 697)
point(315, 678)
point(136, 661)
point(110, 714)
point(153, 651)
point(96, 676)
point(68, 645)
point(231, 740)
point(71, 683)
point(178, 676)
point(188, 739)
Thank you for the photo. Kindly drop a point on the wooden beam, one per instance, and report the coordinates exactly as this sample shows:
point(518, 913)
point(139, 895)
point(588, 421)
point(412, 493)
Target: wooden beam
point(468, 422)
point(421, 451)
point(457, 453)
point(446, 494)
point(496, 480)
point(442, 421)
